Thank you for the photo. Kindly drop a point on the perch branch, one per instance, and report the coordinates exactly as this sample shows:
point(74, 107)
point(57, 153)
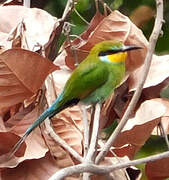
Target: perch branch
point(97, 169)
point(93, 143)
point(152, 43)
point(61, 142)
point(27, 3)
point(68, 9)
point(86, 130)
point(90, 157)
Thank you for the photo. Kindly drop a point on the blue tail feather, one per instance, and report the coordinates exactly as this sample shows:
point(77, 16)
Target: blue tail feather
point(50, 112)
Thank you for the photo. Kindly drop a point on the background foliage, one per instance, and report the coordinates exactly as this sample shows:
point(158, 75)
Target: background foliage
point(87, 10)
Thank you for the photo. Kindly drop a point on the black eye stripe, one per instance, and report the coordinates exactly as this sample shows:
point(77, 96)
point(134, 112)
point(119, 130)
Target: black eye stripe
point(109, 52)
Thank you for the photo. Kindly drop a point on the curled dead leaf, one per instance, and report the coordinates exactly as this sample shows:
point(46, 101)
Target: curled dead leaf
point(159, 71)
point(116, 26)
point(63, 158)
point(139, 128)
point(158, 169)
point(38, 27)
point(7, 141)
point(137, 15)
point(35, 146)
point(42, 168)
point(22, 74)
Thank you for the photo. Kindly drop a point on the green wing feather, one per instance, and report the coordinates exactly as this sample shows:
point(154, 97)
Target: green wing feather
point(86, 78)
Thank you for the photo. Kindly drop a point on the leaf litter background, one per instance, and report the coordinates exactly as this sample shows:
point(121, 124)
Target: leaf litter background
point(23, 72)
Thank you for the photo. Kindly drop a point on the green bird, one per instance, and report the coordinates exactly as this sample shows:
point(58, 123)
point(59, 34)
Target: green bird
point(91, 82)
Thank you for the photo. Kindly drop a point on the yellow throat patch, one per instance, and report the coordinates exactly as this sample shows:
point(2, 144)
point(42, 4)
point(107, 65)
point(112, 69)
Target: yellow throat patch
point(117, 58)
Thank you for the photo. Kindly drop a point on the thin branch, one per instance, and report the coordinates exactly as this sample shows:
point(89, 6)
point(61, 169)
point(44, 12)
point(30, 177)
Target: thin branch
point(97, 5)
point(86, 130)
point(164, 134)
point(101, 143)
point(90, 157)
point(148, 59)
point(82, 18)
point(61, 142)
point(27, 3)
point(68, 9)
point(98, 169)
point(66, 31)
point(106, 6)
point(105, 9)
point(93, 143)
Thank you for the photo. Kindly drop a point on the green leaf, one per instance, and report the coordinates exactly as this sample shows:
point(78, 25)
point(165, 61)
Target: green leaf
point(116, 4)
point(165, 92)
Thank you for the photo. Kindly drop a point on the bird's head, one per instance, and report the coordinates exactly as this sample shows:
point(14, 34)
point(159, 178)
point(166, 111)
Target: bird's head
point(112, 51)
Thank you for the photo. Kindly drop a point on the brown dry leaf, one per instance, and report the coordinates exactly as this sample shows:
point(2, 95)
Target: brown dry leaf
point(51, 47)
point(159, 71)
point(154, 91)
point(139, 128)
point(11, 2)
point(38, 25)
point(164, 120)
point(157, 170)
point(35, 148)
point(63, 59)
point(137, 15)
point(124, 150)
point(7, 141)
point(37, 169)
point(42, 168)
point(63, 158)
point(116, 26)
point(68, 130)
point(22, 74)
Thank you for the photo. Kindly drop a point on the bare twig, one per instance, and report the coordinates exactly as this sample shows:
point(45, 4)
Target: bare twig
point(105, 5)
point(93, 143)
point(105, 9)
point(117, 158)
point(97, 169)
point(97, 5)
point(153, 40)
point(164, 134)
point(66, 31)
point(90, 157)
point(86, 130)
point(53, 42)
point(82, 18)
point(61, 142)
point(68, 9)
point(27, 3)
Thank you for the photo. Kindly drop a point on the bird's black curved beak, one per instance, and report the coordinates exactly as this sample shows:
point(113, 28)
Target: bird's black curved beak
point(130, 48)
